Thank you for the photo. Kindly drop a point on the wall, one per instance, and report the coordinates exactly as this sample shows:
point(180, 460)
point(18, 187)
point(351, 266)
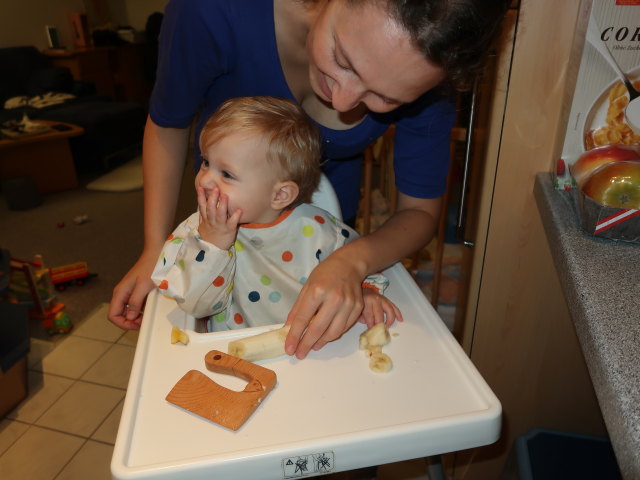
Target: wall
point(128, 12)
point(22, 22)
point(137, 11)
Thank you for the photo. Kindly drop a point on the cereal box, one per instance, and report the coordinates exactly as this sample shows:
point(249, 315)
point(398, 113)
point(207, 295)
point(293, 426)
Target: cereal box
point(599, 118)
point(597, 113)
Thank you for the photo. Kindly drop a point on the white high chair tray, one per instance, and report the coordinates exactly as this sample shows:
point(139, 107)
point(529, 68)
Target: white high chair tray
point(327, 413)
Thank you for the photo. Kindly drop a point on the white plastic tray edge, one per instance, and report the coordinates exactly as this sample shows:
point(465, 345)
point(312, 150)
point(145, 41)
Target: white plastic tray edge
point(119, 459)
point(413, 444)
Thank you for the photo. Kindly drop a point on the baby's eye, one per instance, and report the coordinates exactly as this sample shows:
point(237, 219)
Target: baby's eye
point(226, 174)
point(205, 163)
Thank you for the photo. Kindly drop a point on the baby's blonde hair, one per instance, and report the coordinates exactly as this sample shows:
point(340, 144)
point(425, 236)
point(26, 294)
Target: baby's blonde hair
point(293, 141)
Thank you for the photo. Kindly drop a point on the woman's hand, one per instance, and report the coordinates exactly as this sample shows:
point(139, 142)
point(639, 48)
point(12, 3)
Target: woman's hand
point(130, 293)
point(328, 305)
point(331, 301)
point(163, 157)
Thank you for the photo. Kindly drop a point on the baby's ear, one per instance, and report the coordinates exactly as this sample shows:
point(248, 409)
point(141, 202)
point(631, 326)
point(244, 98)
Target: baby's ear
point(284, 194)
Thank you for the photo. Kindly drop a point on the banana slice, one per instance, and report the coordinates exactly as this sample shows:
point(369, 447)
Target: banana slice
point(178, 335)
point(376, 336)
point(380, 363)
point(260, 347)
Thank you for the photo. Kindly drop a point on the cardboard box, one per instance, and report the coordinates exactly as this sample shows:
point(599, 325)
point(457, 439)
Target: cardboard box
point(13, 385)
point(596, 118)
point(14, 347)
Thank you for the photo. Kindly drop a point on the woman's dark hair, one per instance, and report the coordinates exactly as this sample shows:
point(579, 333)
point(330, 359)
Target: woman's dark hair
point(454, 34)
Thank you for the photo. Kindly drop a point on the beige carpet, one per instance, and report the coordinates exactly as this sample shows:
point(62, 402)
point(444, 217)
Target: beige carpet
point(125, 178)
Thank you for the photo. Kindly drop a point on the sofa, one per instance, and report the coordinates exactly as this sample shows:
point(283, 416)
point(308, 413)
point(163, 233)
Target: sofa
point(110, 127)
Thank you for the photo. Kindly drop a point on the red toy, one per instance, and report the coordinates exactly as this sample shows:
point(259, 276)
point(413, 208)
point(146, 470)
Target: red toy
point(32, 283)
point(71, 274)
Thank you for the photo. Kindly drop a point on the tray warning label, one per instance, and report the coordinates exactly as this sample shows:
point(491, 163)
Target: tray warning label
point(307, 465)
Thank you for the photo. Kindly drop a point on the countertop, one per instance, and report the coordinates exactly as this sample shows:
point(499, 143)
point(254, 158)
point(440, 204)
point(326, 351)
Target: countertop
point(601, 283)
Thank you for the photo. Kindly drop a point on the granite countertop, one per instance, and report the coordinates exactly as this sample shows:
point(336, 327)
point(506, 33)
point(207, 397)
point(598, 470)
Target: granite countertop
point(601, 283)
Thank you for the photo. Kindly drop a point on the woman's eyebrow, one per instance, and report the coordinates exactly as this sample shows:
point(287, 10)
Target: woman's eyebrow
point(343, 54)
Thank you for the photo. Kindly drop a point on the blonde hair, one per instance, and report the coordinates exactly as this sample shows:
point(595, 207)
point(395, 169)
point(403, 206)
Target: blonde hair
point(293, 141)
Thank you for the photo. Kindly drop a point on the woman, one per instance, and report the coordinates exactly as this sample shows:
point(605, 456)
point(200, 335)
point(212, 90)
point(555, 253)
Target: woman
point(355, 67)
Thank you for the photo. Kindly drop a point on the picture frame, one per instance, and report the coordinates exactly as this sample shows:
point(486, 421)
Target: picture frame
point(52, 36)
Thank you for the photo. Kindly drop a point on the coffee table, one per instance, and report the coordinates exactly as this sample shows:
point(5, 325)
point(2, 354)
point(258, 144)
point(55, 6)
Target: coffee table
point(45, 157)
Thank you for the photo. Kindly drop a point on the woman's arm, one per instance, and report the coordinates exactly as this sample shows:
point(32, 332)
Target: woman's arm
point(330, 302)
point(163, 161)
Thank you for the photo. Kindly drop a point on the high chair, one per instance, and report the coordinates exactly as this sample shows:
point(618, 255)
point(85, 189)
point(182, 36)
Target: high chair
point(380, 154)
point(325, 197)
point(305, 427)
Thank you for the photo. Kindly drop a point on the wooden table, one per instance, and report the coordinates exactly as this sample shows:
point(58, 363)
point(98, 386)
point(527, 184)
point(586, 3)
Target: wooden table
point(46, 157)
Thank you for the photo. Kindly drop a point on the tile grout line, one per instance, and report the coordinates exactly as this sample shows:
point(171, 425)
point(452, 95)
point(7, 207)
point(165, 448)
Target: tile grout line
point(74, 381)
point(70, 460)
point(89, 367)
point(102, 423)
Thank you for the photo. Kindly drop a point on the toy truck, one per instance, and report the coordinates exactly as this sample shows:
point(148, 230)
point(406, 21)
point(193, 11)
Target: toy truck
point(71, 274)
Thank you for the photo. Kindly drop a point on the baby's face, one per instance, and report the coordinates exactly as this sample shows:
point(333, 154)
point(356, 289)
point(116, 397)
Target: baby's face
point(238, 166)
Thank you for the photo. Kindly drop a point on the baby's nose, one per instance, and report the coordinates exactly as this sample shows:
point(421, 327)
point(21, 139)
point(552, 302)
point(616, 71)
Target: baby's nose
point(207, 180)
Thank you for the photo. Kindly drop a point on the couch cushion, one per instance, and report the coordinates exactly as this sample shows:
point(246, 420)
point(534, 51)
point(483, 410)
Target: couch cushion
point(17, 66)
point(51, 79)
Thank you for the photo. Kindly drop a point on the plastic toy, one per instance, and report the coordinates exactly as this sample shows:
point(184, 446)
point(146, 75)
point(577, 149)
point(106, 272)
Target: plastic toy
point(31, 283)
point(58, 323)
point(71, 274)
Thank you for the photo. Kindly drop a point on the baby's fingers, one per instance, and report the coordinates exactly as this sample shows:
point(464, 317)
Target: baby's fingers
point(202, 202)
point(392, 312)
point(221, 208)
point(234, 219)
point(210, 204)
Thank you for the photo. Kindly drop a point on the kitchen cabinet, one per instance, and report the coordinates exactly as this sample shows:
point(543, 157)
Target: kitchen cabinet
point(515, 324)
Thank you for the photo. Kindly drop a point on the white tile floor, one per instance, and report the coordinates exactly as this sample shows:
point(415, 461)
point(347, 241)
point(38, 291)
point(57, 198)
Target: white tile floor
point(67, 426)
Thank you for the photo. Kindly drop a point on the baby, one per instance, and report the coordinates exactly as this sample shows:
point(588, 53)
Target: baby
point(244, 256)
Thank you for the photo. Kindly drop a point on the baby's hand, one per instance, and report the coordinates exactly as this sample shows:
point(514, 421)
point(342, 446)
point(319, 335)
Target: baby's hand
point(378, 309)
point(216, 225)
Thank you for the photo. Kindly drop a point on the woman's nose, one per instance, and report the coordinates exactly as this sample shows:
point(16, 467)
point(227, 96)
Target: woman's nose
point(346, 94)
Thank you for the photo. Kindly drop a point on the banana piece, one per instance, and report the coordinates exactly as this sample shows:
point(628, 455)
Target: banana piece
point(372, 340)
point(376, 336)
point(259, 347)
point(380, 362)
point(178, 335)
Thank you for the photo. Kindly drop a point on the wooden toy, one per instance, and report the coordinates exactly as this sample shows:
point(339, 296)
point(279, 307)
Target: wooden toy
point(31, 284)
point(74, 273)
point(198, 394)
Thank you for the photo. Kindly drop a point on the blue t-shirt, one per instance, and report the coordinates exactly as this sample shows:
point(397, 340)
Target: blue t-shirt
point(212, 50)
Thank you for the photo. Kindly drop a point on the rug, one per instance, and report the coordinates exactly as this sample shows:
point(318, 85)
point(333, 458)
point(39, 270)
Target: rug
point(125, 178)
